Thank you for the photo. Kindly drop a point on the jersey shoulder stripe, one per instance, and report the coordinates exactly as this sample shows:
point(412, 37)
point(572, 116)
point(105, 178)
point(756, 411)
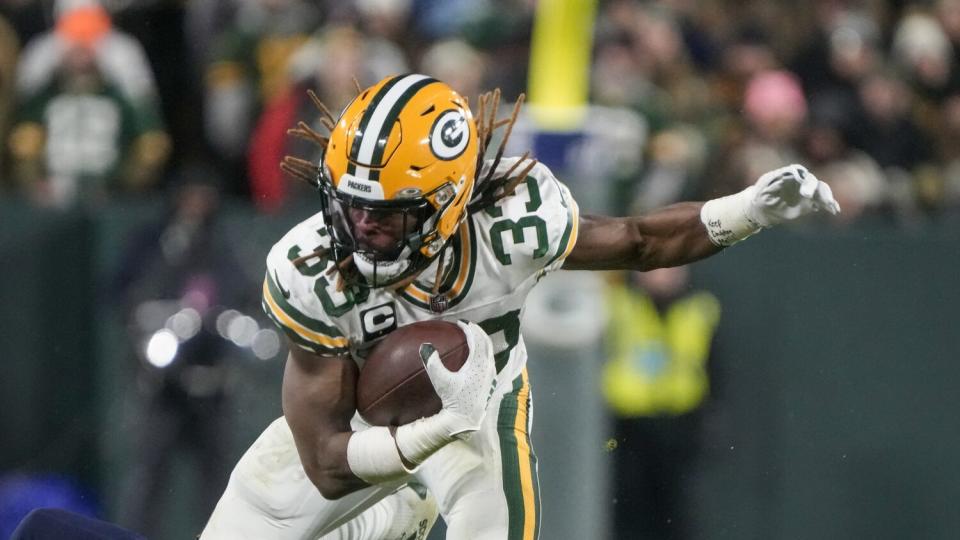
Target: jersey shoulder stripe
point(291, 295)
point(569, 237)
point(303, 330)
point(279, 297)
point(460, 278)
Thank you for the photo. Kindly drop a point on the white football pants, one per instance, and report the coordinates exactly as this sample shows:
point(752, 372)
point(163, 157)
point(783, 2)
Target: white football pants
point(486, 488)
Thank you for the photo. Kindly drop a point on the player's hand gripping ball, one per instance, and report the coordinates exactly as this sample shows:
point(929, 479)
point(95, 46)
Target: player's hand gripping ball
point(393, 388)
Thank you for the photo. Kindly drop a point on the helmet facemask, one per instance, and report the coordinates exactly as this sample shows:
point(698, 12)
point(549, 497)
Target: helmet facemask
point(390, 240)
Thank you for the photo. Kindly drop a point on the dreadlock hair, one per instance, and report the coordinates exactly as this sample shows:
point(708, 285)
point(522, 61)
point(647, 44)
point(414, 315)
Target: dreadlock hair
point(488, 188)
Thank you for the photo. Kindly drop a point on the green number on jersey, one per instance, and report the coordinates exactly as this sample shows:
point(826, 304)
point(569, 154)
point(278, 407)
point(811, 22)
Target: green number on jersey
point(309, 270)
point(509, 324)
point(319, 264)
point(322, 285)
point(516, 228)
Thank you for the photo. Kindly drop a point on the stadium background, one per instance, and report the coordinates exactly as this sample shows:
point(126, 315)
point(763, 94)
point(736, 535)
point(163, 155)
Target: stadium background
point(836, 380)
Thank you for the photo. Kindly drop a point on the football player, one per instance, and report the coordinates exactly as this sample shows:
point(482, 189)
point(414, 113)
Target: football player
point(413, 225)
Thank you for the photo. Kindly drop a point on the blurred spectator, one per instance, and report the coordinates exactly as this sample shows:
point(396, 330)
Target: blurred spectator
point(857, 181)
point(655, 382)
point(177, 277)
point(204, 22)
point(80, 137)
point(643, 61)
point(948, 147)
point(327, 65)
point(249, 69)
point(502, 30)
point(615, 77)
point(746, 53)
point(922, 50)
point(888, 132)
point(28, 18)
point(458, 64)
point(683, 94)
point(440, 19)
point(948, 13)
point(85, 23)
point(834, 66)
point(9, 49)
point(385, 25)
point(673, 171)
point(774, 112)
point(775, 108)
point(886, 129)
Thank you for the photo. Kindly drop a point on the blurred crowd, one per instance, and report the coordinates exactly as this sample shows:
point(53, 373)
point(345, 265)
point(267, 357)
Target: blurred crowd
point(863, 93)
point(191, 100)
point(103, 99)
point(107, 99)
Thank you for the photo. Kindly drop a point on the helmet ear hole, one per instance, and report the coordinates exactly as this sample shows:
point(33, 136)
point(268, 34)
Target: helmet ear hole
point(444, 195)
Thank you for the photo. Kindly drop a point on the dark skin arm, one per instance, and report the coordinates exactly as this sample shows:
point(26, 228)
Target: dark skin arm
point(670, 236)
point(319, 399)
point(318, 402)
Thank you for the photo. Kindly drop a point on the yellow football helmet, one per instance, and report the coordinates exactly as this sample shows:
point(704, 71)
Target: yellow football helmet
point(396, 176)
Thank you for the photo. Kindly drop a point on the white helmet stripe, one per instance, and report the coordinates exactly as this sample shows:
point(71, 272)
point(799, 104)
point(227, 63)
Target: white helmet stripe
point(372, 131)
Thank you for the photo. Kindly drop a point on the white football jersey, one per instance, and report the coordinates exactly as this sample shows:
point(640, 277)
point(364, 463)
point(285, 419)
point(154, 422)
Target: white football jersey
point(497, 256)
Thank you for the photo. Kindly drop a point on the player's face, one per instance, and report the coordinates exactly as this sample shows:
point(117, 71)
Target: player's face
point(380, 231)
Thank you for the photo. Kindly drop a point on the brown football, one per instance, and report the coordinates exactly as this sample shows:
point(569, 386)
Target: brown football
point(393, 388)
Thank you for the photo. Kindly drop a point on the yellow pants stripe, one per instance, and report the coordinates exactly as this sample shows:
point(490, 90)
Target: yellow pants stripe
point(519, 462)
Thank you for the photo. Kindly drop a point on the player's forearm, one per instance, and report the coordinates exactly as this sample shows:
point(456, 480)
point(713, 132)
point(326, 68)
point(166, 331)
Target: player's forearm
point(322, 447)
point(339, 464)
point(670, 236)
point(318, 403)
point(326, 466)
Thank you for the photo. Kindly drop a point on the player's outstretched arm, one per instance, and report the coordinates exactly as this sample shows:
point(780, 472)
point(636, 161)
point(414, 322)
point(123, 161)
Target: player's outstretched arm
point(686, 232)
point(669, 236)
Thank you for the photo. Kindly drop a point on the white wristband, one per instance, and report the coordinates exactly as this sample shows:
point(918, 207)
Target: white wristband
point(727, 219)
point(373, 457)
point(418, 440)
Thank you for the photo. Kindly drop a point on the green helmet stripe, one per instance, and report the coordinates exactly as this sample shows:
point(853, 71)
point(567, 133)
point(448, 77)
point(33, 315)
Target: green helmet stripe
point(364, 120)
point(371, 138)
point(391, 118)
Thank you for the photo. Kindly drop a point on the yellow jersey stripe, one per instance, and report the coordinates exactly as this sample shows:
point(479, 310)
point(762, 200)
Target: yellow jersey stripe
point(423, 295)
point(575, 217)
point(523, 455)
point(302, 331)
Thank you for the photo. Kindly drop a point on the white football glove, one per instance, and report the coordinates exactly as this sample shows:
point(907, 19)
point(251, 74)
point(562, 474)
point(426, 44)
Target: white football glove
point(465, 392)
point(376, 456)
point(464, 395)
point(780, 195)
point(788, 193)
